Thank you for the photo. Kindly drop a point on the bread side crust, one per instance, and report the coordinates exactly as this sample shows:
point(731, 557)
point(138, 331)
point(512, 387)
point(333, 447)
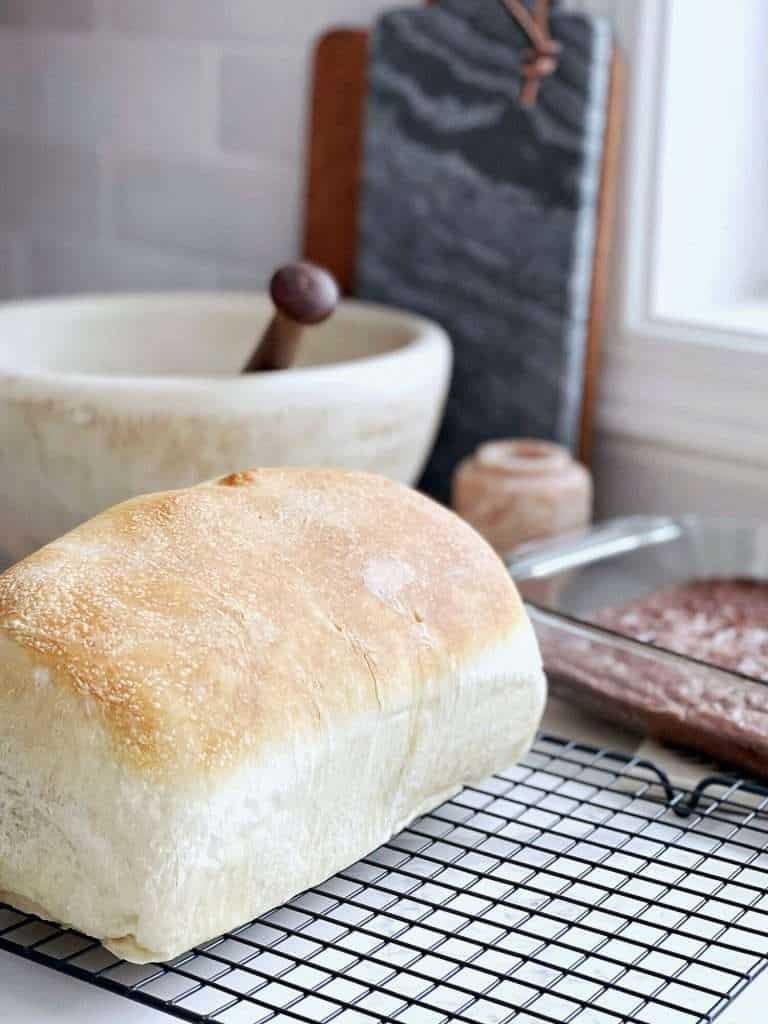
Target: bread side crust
point(154, 869)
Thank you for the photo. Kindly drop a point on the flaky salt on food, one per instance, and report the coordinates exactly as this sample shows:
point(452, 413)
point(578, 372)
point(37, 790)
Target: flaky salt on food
point(214, 698)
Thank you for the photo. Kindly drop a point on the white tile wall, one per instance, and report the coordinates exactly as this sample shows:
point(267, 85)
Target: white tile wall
point(70, 15)
point(259, 21)
point(129, 96)
point(244, 212)
point(154, 143)
point(81, 265)
point(49, 186)
point(276, 82)
point(10, 265)
point(22, 85)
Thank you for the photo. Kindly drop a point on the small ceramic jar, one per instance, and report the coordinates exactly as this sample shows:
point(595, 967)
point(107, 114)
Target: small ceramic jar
point(513, 491)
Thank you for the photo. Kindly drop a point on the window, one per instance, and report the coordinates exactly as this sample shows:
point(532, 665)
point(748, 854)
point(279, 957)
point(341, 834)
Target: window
point(710, 250)
point(682, 412)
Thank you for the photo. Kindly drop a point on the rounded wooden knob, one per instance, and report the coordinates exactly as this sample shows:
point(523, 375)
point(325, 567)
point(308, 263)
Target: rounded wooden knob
point(304, 292)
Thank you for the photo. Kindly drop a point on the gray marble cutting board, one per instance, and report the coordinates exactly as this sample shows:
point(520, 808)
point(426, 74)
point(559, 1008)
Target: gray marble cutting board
point(482, 214)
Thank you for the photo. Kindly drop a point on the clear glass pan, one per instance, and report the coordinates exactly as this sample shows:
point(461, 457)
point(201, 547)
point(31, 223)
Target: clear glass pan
point(654, 690)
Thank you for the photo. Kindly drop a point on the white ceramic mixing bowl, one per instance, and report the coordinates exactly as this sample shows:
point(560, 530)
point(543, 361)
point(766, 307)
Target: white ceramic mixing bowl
point(102, 398)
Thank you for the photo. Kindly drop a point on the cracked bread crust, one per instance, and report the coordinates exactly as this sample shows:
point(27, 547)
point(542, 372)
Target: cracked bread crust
point(213, 698)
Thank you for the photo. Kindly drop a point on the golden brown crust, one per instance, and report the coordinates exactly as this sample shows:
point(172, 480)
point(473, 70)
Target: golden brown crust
point(204, 623)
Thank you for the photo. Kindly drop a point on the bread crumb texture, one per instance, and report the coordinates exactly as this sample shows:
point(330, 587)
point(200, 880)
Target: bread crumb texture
point(203, 624)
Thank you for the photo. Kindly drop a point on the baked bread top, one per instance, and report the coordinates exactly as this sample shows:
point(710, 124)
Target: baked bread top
point(199, 625)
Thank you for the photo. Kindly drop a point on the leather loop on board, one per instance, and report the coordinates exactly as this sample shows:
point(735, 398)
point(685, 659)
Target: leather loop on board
point(541, 59)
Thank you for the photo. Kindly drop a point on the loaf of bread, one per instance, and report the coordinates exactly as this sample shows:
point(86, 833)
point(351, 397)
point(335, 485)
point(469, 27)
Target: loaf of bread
point(214, 698)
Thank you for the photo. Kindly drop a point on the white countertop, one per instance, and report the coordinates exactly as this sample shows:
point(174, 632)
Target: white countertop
point(31, 994)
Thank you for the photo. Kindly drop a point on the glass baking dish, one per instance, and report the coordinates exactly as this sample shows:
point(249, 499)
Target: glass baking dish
point(637, 684)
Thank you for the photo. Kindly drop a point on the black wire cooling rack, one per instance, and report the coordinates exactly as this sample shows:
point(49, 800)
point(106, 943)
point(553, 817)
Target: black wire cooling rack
point(576, 887)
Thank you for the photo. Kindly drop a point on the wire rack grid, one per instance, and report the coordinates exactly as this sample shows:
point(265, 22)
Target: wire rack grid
point(568, 889)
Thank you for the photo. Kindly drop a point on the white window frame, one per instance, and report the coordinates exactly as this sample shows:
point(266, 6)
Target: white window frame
point(684, 383)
